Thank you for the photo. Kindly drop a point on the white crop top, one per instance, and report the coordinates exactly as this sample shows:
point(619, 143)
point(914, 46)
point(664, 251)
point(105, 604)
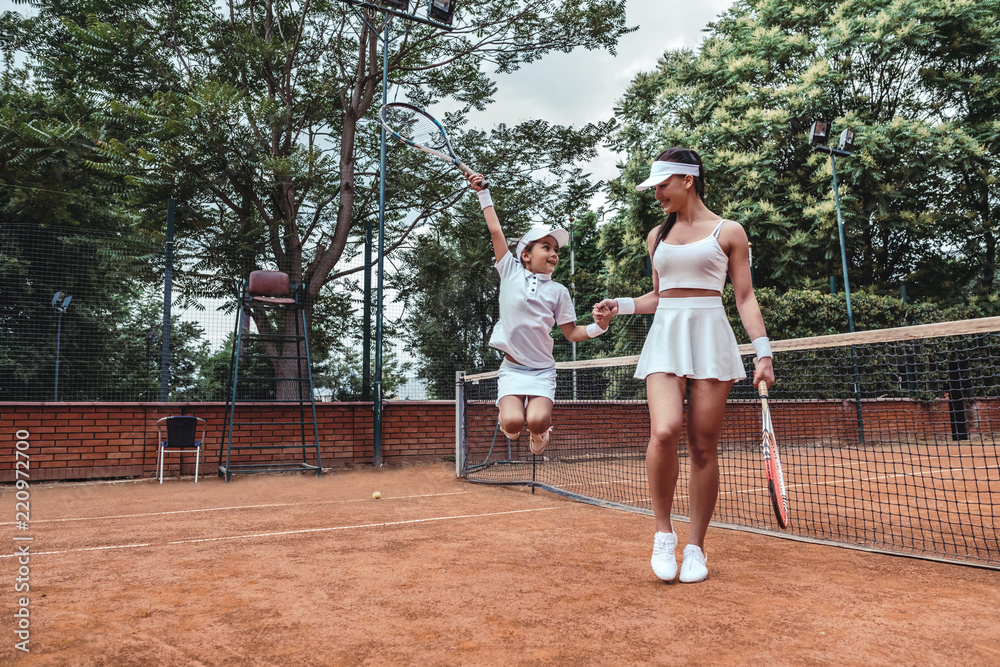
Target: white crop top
point(698, 265)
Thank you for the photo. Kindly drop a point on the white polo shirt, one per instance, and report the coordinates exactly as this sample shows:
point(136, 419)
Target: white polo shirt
point(530, 305)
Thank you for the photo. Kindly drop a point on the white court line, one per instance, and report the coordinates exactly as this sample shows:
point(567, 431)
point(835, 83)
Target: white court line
point(236, 507)
point(283, 533)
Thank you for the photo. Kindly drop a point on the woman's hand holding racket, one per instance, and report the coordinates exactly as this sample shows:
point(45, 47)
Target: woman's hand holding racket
point(763, 373)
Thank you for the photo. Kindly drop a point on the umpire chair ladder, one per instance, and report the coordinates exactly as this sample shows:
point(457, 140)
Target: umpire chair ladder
point(254, 385)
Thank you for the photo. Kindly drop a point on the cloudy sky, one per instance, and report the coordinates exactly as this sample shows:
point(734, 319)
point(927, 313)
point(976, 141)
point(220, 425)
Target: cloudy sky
point(583, 86)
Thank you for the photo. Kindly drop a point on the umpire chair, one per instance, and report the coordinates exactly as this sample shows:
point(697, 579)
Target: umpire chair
point(269, 364)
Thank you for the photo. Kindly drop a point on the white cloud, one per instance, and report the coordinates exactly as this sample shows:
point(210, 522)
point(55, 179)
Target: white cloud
point(584, 86)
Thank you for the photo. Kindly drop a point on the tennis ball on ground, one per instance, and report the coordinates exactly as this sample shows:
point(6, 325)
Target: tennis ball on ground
point(377, 495)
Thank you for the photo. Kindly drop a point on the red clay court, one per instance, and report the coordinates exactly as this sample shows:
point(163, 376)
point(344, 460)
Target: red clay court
point(297, 570)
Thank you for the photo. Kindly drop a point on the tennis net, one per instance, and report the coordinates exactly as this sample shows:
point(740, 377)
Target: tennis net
point(888, 440)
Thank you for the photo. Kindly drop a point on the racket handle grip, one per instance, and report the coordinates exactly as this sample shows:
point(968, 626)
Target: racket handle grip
point(761, 386)
point(462, 167)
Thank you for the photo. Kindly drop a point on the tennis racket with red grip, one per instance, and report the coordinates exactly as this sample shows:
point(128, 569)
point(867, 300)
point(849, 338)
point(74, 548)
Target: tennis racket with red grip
point(772, 463)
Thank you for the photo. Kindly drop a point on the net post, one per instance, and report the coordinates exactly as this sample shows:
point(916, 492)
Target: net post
point(460, 423)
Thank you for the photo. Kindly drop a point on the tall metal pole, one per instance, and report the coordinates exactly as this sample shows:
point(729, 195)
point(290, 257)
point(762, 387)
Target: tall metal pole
point(843, 250)
point(58, 342)
point(377, 385)
point(168, 287)
point(847, 293)
point(572, 285)
point(388, 13)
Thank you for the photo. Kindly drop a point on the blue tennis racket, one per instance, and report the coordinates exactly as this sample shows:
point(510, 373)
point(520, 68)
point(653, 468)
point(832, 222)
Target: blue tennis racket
point(415, 127)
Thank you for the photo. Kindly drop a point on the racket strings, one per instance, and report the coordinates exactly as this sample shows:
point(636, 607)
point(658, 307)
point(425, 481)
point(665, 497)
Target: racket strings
point(416, 127)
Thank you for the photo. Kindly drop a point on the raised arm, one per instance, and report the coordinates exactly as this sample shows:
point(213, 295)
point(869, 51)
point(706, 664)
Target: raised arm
point(500, 247)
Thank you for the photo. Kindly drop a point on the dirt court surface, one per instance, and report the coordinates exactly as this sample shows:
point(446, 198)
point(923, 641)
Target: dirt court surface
point(299, 570)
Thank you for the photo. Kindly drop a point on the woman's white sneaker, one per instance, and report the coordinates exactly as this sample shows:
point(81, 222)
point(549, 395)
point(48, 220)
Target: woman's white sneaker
point(664, 561)
point(695, 565)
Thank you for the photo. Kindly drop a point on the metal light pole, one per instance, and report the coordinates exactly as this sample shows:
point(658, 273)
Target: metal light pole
point(443, 11)
point(377, 385)
point(818, 136)
point(572, 283)
point(60, 302)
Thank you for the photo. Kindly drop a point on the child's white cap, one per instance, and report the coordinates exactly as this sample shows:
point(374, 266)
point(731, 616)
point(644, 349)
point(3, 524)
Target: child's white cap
point(560, 235)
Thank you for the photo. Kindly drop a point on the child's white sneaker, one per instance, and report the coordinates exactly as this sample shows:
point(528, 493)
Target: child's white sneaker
point(539, 442)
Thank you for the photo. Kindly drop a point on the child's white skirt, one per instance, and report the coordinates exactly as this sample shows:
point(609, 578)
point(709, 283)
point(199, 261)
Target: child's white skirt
point(691, 337)
point(517, 380)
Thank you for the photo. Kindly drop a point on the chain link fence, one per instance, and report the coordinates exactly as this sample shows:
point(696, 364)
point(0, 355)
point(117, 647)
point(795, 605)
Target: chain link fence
point(82, 319)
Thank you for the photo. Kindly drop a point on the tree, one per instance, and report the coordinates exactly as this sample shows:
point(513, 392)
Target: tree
point(912, 77)
point(257, 116)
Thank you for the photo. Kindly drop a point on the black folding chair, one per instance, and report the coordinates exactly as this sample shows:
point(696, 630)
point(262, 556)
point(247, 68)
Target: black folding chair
point(181, 436)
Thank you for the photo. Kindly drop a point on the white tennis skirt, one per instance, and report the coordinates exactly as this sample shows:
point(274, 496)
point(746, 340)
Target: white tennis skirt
point(517, 380)
point(691, 337)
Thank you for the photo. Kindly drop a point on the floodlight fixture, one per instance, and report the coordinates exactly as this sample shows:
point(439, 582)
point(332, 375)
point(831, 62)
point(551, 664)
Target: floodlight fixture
point(401, 5)
point(820, 133)
point(846, 141)
point(442, 11)
point(61, 301)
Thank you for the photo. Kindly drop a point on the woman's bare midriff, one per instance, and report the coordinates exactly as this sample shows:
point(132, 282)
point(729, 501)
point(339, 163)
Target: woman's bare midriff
point(681, 292)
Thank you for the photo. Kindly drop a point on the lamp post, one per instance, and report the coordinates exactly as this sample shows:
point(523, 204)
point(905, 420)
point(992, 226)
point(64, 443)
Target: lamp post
point(439, 15)
point(60, 302)
point(818, 136)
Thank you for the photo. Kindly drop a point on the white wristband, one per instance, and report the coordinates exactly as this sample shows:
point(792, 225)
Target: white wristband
point(626, 305)
point(762, 347)
point(594, 330)
point(484, 198)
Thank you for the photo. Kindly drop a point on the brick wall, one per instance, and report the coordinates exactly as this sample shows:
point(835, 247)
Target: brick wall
point(101, 440)
point(95, 440)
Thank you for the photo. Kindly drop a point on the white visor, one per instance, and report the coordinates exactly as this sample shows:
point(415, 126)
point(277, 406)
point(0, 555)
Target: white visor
point(661, 171)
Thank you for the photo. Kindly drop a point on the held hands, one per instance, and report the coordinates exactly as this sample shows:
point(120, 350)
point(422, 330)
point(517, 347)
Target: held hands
point(609, 306)
point(603, 313)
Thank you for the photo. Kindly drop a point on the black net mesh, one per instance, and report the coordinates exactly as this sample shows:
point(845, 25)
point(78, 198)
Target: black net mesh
point(890, 445)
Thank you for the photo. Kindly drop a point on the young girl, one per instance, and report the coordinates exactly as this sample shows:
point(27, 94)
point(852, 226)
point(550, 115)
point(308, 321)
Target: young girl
point(530, 304)
point(690, 348)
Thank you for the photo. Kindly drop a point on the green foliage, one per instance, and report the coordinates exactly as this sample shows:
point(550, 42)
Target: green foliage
point(806, 313)
point(917, 81)
point(258, 119)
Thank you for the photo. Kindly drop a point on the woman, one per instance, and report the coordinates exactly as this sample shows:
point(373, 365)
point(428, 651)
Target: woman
point(690, 349)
